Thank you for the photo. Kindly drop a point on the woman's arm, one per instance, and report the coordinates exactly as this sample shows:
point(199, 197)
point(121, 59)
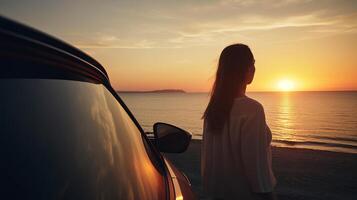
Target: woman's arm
point(255, 153)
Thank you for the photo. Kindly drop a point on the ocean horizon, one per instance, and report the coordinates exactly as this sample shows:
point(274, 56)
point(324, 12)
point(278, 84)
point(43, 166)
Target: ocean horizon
point(320, 120)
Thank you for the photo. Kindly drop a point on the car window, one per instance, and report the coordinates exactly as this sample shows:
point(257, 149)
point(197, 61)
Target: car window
point(73, 140)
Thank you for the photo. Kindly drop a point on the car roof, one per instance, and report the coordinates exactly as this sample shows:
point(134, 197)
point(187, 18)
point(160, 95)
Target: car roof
point(26, 33)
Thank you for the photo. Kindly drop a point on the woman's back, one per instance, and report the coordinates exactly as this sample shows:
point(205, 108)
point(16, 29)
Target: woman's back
point(237, 160)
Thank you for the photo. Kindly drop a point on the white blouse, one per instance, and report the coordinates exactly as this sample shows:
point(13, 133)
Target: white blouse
point(237, 161)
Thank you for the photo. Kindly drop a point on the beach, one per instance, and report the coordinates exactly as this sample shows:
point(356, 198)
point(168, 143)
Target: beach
point(314, 138)
point(301, 173)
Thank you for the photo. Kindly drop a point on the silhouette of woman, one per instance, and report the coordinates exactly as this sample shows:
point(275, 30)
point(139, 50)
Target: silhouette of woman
point(236, 153)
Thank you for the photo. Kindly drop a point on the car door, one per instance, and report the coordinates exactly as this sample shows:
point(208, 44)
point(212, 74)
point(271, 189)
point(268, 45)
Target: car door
point(72, 139)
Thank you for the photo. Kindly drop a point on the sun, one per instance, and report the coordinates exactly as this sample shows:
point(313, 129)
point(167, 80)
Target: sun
point(286, 85)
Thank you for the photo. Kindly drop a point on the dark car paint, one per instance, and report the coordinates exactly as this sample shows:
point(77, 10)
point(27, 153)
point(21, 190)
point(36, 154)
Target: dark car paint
point(23, 43)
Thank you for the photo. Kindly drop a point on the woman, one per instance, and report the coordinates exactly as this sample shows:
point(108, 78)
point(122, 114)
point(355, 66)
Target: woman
point(236, 154)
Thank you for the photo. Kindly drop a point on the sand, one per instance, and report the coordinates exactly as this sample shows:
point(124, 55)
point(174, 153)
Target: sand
point(301, 173)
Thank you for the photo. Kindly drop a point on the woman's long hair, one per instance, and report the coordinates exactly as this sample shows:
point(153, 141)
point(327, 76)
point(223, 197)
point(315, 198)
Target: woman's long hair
point(233, 66)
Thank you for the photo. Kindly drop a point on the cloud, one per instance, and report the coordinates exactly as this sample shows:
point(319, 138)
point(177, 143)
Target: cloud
point(183, 24)
point(105, 41)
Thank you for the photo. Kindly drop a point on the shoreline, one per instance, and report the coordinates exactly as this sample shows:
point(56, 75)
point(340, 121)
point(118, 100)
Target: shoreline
point(301, 173)
point(317, 146)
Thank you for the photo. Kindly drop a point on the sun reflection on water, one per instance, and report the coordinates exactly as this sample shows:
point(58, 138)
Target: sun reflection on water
point(285, 118)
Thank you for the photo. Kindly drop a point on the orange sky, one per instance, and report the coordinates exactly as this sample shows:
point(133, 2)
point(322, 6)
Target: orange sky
point(175, 44)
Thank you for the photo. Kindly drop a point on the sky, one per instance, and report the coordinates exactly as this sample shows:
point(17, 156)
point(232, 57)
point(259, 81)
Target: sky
point(306, 45)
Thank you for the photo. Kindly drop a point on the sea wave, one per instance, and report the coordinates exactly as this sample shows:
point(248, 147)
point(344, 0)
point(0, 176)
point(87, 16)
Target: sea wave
point(347, 148)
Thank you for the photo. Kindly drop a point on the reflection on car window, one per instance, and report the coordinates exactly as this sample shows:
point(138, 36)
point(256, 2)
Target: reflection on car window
point(73, 140)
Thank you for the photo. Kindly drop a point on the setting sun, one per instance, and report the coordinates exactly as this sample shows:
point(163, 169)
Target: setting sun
point(286, 85)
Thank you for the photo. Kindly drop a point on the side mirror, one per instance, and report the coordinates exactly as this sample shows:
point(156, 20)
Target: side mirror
point(171, 139)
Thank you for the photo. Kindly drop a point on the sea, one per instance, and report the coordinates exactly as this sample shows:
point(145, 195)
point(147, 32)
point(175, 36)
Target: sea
point(312, 120)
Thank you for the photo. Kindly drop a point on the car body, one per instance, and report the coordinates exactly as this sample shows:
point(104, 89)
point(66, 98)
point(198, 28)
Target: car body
point(66, 133)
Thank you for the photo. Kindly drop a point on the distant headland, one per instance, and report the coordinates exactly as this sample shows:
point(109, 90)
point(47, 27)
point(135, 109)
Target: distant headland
point(152, 91)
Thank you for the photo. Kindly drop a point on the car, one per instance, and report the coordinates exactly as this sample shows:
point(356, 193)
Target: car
point(66, 133)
